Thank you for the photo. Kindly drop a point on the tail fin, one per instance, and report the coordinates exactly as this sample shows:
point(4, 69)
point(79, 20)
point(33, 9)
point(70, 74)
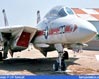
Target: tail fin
point(38, 16)
point(5, 17)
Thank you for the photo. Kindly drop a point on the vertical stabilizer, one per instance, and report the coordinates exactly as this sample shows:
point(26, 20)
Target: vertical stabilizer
point(5, 17)
point(38, 16)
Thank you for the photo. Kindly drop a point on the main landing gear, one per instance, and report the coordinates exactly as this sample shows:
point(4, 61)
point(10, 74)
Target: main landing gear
point(5, 51)
point(60, 64)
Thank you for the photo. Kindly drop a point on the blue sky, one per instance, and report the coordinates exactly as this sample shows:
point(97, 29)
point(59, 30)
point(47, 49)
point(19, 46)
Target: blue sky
point(23, 12)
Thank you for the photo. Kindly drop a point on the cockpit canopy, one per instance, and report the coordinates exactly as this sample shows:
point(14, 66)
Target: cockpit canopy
point(59, 11)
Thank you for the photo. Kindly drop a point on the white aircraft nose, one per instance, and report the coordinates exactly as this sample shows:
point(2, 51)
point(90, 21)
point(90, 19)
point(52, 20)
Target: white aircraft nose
point(87, 31)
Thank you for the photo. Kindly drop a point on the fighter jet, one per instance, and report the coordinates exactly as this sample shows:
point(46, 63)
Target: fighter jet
point(60, 28)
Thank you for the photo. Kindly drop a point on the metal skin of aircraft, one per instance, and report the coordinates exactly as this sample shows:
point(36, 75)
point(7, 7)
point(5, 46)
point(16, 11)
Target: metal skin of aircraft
point(59, 29)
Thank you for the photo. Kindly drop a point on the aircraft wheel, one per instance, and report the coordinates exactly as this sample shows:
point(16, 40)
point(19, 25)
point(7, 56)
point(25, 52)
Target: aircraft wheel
point(55, 66)
point(63, 66)
point(65, 55)
point(0, 56)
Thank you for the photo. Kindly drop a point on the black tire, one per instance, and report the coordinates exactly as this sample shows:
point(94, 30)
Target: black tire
point(65, 55)
point(55, 66)
point(63, 66)
point(0, 56)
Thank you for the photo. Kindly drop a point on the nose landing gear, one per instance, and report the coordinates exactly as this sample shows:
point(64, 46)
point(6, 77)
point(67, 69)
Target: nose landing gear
point(60, 64)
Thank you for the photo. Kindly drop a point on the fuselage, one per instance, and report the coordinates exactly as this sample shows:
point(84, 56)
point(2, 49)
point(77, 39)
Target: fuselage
point(65, 30)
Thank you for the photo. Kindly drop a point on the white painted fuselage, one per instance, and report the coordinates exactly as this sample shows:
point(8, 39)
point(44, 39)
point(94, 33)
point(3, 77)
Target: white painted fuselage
point(65, 30)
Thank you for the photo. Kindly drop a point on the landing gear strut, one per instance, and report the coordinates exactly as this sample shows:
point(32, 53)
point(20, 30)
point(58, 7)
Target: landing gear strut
point(5, 51)
point(59, 64)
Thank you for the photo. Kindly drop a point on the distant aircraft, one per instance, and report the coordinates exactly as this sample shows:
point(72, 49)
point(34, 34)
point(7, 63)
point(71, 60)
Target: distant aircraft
point(59, 29)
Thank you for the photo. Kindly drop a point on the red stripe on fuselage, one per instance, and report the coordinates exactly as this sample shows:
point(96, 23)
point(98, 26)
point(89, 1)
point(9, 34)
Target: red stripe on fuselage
point(57, 30)
point(68, 29)
point(75, 27)
point(39, 33)
point(53, 31)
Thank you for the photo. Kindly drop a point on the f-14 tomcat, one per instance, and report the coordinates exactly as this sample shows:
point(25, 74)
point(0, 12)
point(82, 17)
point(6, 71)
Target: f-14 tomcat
point(59, 29)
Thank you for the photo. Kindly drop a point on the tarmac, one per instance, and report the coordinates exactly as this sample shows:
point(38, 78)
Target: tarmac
point(32, 62)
